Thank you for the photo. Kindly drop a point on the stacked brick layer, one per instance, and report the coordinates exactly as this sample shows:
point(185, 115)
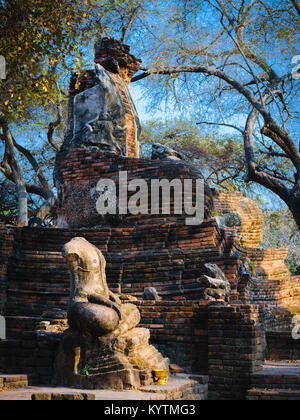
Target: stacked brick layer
point(277, 381)
point(252, 216)
point(179, 330)
point(273, 395)
point(32, 353)
point(83, 169)
point(167, 257)
point(235, 350)
point(6, 247)
point(10, 382)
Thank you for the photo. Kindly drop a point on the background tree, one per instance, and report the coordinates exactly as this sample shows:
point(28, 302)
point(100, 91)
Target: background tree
point(227, 63)
point(41, 40)
point(232, 60)
point(281, 231)
point(220, 159)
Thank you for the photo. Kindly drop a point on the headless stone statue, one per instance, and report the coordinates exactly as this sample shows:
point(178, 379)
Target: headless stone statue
point(102, 334)
point(93, 309)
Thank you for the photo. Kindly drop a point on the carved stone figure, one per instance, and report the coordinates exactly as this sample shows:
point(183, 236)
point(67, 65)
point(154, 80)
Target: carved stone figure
point(93, 309)
point(102, 349)
point(150, 293)
point(231, 220)
point(101, 111)
point(159, 151)
point(214, 283)
point(99, 115)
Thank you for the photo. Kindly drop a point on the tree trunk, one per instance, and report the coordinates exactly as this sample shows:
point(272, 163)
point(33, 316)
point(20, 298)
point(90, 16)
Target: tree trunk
point(22, 203)
point(295, 209)
point(11, 160)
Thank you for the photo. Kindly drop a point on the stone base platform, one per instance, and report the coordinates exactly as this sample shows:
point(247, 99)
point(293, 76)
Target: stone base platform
point(108, 362)
point(8, 382)
point(179, 387)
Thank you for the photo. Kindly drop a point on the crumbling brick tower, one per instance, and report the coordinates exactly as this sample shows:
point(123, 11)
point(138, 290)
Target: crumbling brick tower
point(119, 67)
point(108, 52)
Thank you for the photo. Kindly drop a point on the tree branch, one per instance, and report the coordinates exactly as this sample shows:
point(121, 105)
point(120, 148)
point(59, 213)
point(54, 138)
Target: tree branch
point(282, 138)
point(222, 125)
point(254, 174)
point(16, 173)
point(52, 126)
point(296, 4)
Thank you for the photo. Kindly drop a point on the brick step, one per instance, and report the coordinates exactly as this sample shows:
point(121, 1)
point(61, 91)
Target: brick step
point(179, 387)
point(277, 376)
point(160, 236)
point(256, 394)
point(13, 381)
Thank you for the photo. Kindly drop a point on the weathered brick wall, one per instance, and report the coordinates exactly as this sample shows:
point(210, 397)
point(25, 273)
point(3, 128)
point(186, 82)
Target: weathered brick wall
point(295, 286)
point(84, 168)
point(167, 257)
point(226, 202)
point(273, 394)
point(253, 218)
point(234, 350)
point(179, 330)
point(6, 247)
point(35, 278)
point(273, 276)
point(32, 354)
point(277, 292)
point(132, 143)
point(282, 346)
point(270, 263)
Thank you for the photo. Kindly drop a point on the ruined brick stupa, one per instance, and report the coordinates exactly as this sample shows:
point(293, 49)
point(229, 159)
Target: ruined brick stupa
point(102, 140)
point(212, 318)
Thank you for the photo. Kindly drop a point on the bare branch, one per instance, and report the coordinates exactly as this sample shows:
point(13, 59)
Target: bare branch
point(296, 3)
point(282, 138)
point(16, 173)
point(222, 124)
point(254, 173)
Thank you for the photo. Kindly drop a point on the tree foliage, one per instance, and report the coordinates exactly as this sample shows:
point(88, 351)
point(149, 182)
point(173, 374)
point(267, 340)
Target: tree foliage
point(281, 231)
point(226, 63)
point(231, 61)
point(41, 40)
point(220, 159)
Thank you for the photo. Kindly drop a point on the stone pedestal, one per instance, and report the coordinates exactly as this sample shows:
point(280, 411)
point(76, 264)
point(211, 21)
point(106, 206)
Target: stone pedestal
point(109, 362)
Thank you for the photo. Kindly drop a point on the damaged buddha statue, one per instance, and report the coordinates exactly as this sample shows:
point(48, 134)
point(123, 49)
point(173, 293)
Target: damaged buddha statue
point(102, 331)
point(94, 309)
